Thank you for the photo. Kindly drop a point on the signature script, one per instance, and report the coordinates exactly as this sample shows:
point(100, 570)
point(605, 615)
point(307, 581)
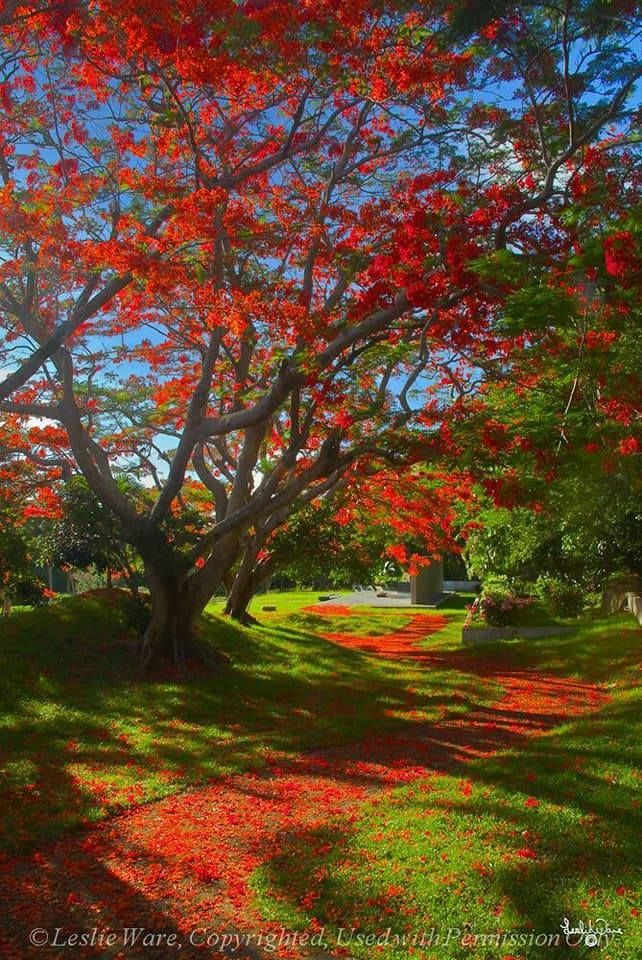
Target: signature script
point(594, 934)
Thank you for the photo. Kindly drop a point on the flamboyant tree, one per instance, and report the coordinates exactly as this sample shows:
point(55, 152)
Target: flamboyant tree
point(572, 346)
point(239, 243)
point(400, 513)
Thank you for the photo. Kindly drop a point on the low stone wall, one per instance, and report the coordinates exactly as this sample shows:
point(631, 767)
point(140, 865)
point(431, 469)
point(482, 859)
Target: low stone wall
point(463, 586)
point(474, 635)
point(634, 605)
point(617, 591)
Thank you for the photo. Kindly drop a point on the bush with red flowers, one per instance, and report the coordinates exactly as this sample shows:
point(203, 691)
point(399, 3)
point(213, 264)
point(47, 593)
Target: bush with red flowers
point(503, 611)
point(500, 605)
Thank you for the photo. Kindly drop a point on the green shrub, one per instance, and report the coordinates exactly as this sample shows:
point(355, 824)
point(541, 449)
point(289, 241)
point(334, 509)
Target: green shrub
point(564, 599)
point(28, 592)
point(496, 586)
point(521, 587)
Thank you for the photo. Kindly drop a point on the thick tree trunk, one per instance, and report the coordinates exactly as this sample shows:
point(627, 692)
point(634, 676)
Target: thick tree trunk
point(170, 629)
point(172, 632)
point(178, 600)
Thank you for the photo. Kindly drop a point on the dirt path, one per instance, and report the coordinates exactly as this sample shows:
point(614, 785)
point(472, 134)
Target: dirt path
point(180, 867)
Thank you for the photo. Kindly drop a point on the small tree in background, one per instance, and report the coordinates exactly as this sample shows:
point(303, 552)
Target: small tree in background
point(19, 583)
point(87, 535)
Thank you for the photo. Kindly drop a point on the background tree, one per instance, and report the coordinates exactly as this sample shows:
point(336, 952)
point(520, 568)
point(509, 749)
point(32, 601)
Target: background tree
point(560, 420)
point(88, 535)
point(583, 531)
point(376, 521)
point(19, 583)
point(314, 549)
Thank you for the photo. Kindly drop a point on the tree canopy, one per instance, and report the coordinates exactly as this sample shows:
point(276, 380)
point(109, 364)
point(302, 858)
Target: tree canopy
point(253, 253)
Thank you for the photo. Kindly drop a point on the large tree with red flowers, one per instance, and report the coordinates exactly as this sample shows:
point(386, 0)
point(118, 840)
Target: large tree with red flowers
point(241, 244)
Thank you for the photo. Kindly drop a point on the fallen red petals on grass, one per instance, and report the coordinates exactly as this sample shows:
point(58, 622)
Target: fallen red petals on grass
point(185, 862)
point(400, 644)
point(330, 610)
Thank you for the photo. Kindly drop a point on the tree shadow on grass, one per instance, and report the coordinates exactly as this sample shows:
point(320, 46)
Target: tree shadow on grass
point(125, 899)
point(381, 760)
point(85, 735)
point(163, 850)
point(597, 651)
point(546, 830)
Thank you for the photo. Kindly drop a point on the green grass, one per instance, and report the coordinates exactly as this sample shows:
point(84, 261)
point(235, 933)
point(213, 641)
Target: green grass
point(514, 843)
point(82, 734)
point(288, 602)
point(600, 649)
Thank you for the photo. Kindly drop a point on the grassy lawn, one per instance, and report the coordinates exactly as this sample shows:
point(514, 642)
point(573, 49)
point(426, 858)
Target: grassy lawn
point(522, 840)
point(83, 735)
point(514, 842)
